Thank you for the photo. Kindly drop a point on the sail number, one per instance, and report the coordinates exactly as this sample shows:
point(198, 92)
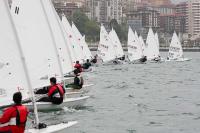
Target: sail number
point(175, 49)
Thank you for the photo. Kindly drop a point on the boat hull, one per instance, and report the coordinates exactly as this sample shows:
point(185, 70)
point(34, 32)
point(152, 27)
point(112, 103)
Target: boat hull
point(179, 60)
point(67, 102)
point(52, 128)
point(84, 89)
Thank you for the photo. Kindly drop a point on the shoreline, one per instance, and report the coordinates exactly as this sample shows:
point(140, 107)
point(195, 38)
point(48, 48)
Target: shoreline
point(196, 49)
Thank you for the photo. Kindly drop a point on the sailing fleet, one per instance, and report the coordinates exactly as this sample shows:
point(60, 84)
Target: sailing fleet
point(36, 45)
point(110, 48)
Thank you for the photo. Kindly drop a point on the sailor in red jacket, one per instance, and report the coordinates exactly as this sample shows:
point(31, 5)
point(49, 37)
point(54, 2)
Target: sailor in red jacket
point(55, 93)
point(78, 66)
point(14, 118)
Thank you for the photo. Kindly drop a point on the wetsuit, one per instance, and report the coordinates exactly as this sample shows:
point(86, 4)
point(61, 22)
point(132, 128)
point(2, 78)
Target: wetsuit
point(78, 83)
point(86, 65)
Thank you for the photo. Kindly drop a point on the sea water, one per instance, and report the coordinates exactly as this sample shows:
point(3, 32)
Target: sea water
point(139, 98)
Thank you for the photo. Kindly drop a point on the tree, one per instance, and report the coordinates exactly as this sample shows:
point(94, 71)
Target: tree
point(121, 30)
point(87, 27)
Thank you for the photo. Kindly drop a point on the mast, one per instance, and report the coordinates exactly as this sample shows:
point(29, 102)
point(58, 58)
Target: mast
point(24, 66)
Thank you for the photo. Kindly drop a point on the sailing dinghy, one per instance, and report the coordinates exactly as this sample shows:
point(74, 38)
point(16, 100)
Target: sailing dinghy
point(175, 50)
point(84, 47)
point(152, 51)
point(119, 53)
point(105, 48)
point(14, 71)
point(135, 52)
point(38, 37)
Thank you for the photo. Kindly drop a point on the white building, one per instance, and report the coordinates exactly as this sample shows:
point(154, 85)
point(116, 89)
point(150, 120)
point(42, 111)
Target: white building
point(193, 17)
point(103, 11)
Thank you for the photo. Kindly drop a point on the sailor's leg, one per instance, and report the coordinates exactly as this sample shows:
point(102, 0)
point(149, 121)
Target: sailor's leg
point(44, 99)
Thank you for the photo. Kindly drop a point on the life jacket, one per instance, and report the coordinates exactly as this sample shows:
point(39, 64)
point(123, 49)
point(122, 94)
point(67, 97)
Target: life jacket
point(79, 67)
point(17, 119)
point(56, 90)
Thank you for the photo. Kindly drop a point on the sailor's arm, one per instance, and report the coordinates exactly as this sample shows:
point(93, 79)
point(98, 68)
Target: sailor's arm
point(6, 115)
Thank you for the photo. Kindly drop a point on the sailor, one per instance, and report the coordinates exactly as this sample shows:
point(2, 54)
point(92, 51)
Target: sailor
point(14, 118)
point(123, 57)
point(78, 81)
point(87, 64)
point(143, 59)
point(55, 93)
point(94, 60)
point(78, 66)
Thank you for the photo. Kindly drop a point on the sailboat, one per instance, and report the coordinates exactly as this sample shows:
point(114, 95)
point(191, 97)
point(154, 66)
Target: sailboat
point(135, 52)
point(105, 48)
point(175, 50)
point(38, 37)
point(83, 44)
point(152, 51)
point(84, 47)
point(75, 47)
point(158, 45)
point(14, 71)
point(119, 53)
point(142, 44)
point(66, 64)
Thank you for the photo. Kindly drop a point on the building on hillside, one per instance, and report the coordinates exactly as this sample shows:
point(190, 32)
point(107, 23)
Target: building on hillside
point(193, 18)
point(103, 11)
point(67, 7)
point(157, 2)
point(172, 22)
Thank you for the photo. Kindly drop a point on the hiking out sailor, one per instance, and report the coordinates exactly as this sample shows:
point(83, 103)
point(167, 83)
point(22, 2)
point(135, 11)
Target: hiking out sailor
point(94, 60)
point(143, 59)
point(78, 66)
point(87, 64)
point(14, 118)
point(78, 81)
point(55, 93)
point(122, 58)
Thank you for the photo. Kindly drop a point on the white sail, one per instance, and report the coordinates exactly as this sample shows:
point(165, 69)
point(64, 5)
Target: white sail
point(22, 60)
point(12, 76)
point(36, 41)
point(61, 43)
point(117, 44)
point(157, 44)
point(142, 44)
point(86, 48)
point(82, 43)
point(112, 38)
point(72, 38)
point(105, 48)
point(175, 48)
point(134, 47)
point(136, 36)
point(151, 52)
point(67, 38)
